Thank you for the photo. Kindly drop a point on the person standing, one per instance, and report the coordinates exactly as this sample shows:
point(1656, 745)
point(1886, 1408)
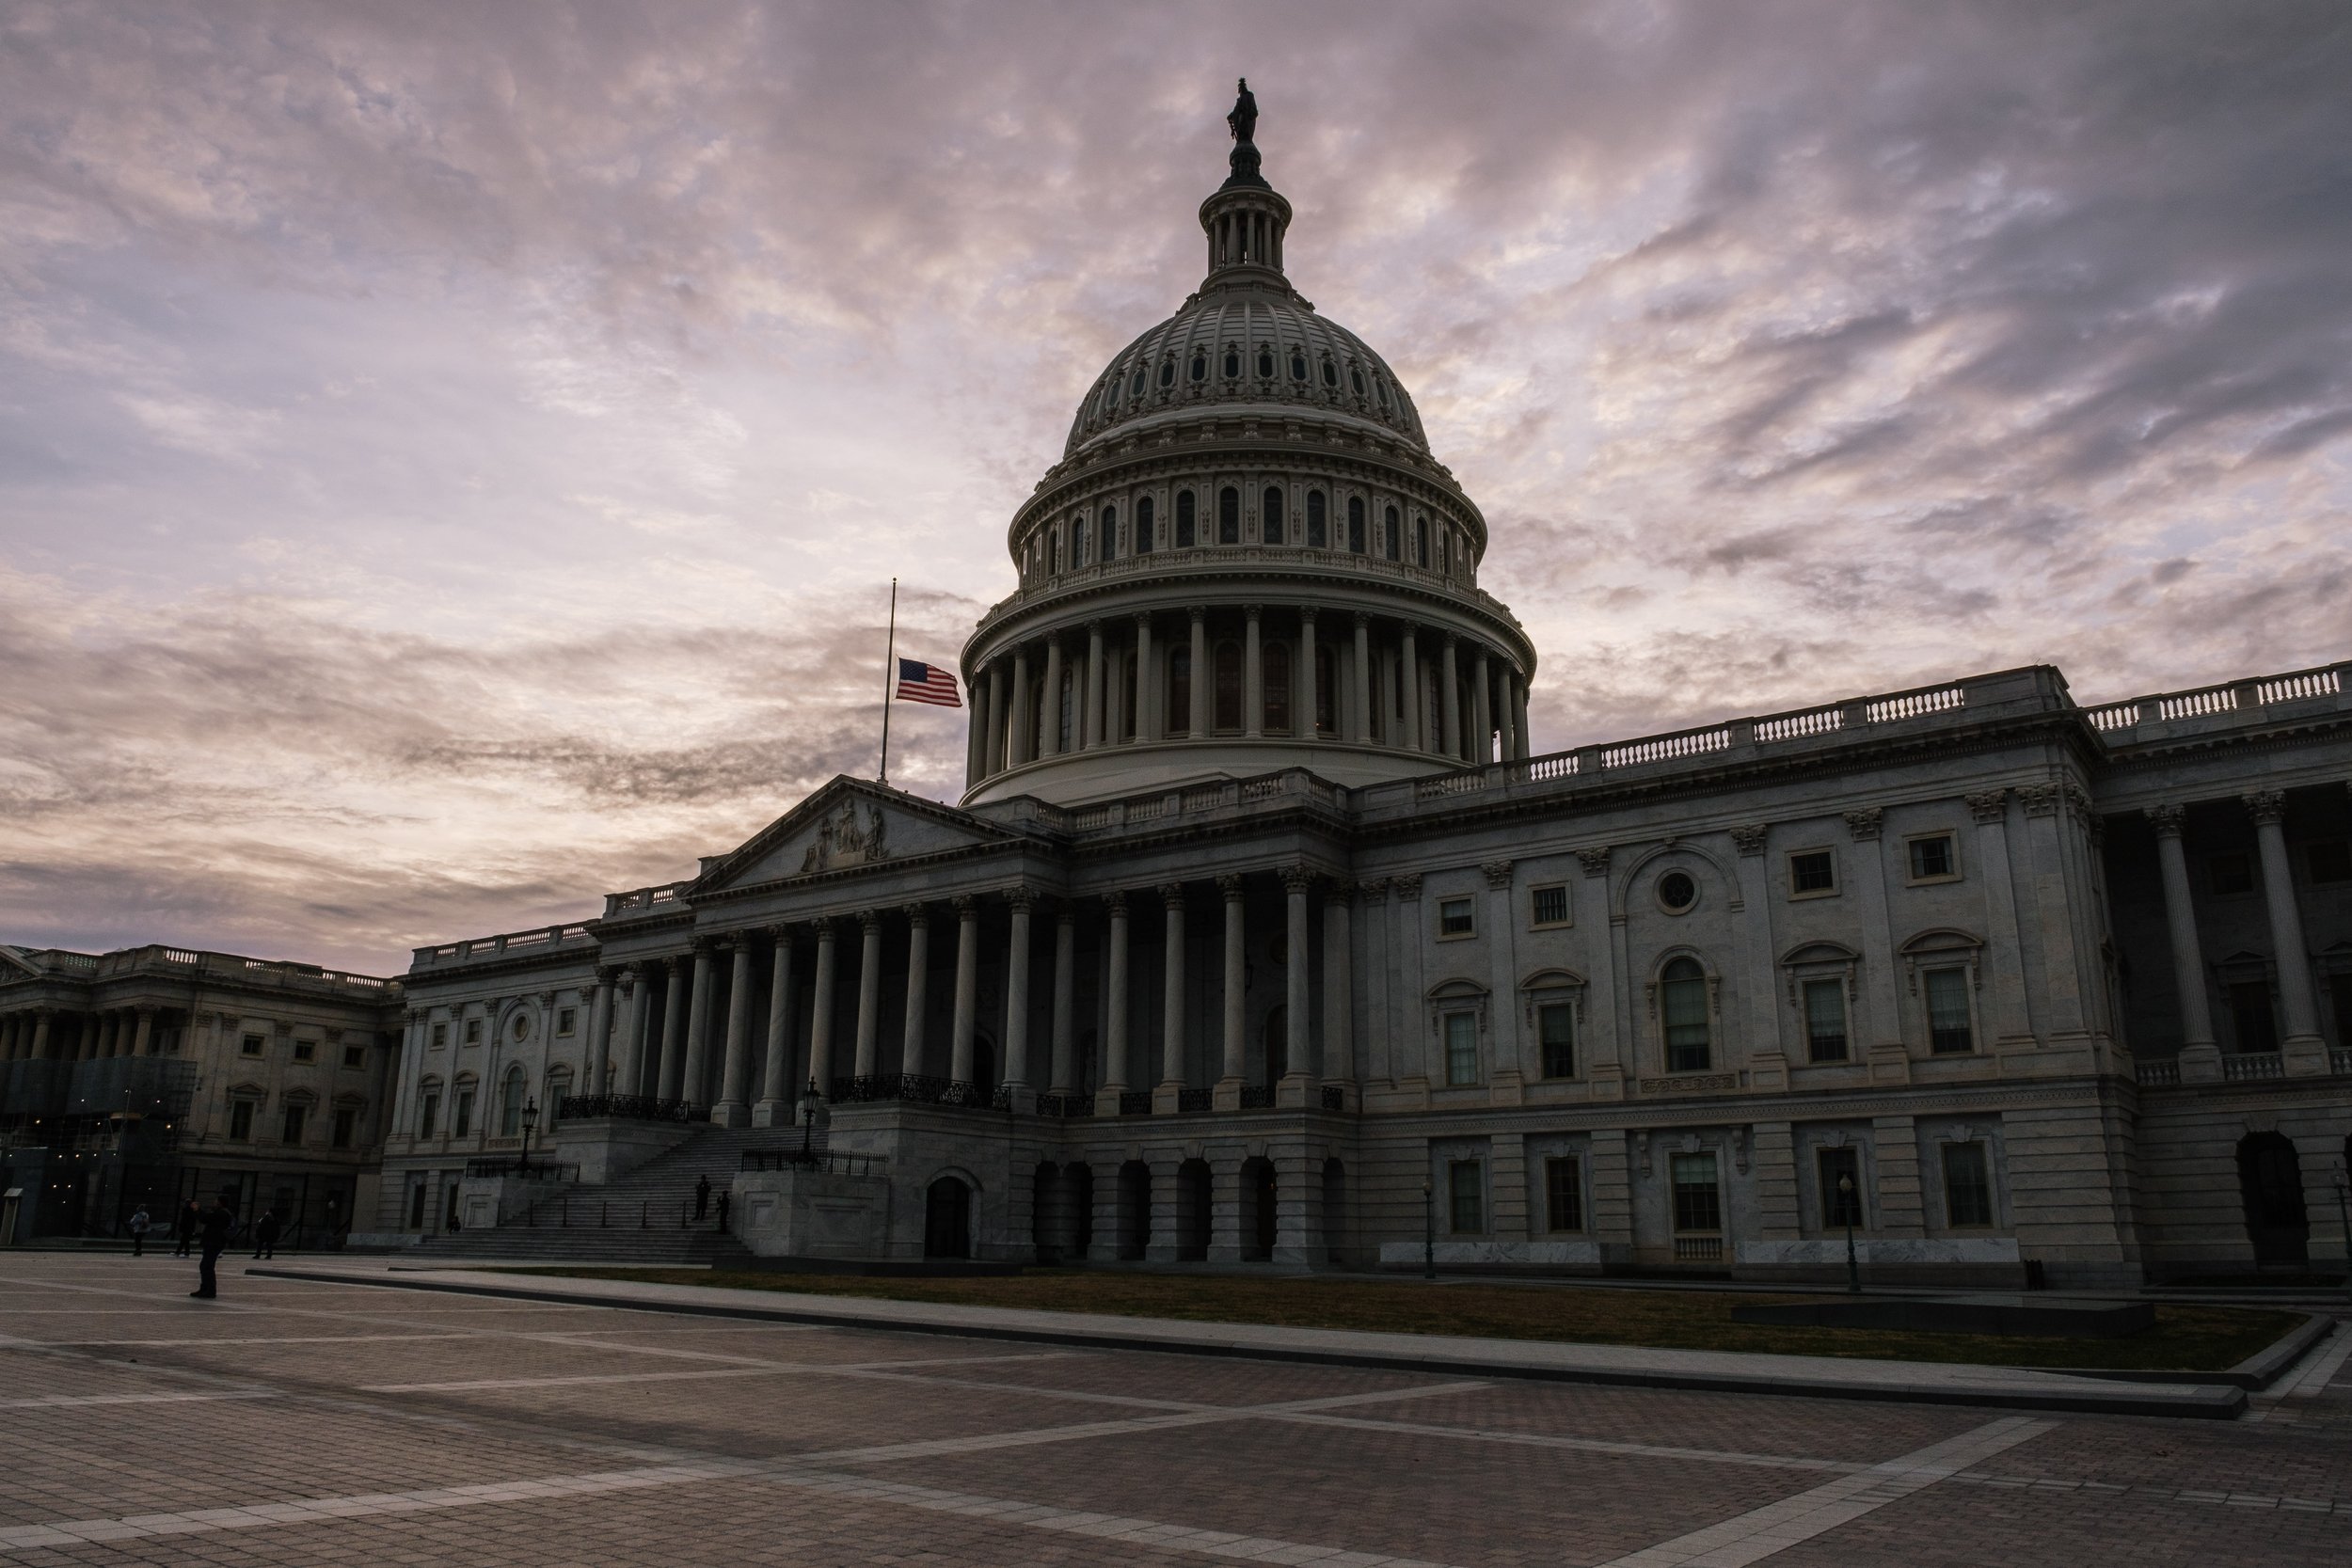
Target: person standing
point(191, 1221)
point(217, 1225)
point(702, 1197)
point(265, 1231)
point(139, 1223)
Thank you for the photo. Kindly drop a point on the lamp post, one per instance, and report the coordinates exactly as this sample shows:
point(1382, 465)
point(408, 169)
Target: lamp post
point(531, 1119)
point(1429, 1228)
point(810, 1101)
point(1847, 1202)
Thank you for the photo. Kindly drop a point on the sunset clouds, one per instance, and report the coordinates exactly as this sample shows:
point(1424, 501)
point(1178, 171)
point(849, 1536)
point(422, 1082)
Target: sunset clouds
point(451, 457)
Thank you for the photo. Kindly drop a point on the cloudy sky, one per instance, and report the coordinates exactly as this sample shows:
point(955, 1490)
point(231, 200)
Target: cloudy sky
point(452, 456)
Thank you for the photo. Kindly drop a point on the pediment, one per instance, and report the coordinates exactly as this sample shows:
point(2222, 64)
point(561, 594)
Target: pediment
point(845, 825)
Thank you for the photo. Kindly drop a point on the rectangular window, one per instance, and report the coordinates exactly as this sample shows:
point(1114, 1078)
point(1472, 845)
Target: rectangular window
point(1825, 1020)
point(1550, 904)
point(2250, 1009)
point(251, 1046)
point(1812, 871)
point(1465, 1198)
point(1455, 917)
point(1932, 859)
point(306, 1050)
point(1555, 1027)
point(1564, 1193)
point(354, 1055)
point(2232, 872)
point(2330, 861)
point(346, 1123)
point(416, 1207)
point(428, 1112)
point(1840, 1171)
point(1947, 1010)
point(1698, 1202)
point(1461, 1048)
point(1968, 1187)
point(291, 1132)
point(240, 1121)
point(567, 1020)
point(1686, 1025)
point(462, 1123)
point(474, 1031)
point(440, 1036)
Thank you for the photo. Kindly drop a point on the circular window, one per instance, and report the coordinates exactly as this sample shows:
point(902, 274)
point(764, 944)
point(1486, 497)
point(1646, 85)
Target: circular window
point(521, 1031)
point(1676, 892)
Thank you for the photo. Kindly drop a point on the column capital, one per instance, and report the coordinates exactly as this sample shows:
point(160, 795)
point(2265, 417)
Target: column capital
point(918, 913)
point(1143, 618)
point(1748, 837)
point(1407, 886)
point(967, 906)
point(1498, 873)
point(679, 962)
point(870, 919)
point(2167, 819)
point(1452, 638)
point(1307, 614)
point(1339, 891)
point(1064, 914)
point(1172, 896)
point(1362, 619)
point(2266, 805)
point(1229, 885)
point(1989, 805)
point(1595, 860)
point(823, 926)
point(1094, 626)
point(2041, 799)
point(1863, 823)
point(1373, 887)
point(1022, 897)
point(1298, 879)
point(1252, 611)
point(1115, 903)
point(1199, 612)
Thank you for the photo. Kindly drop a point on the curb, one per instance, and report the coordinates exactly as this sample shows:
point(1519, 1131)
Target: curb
point(2206, 1402)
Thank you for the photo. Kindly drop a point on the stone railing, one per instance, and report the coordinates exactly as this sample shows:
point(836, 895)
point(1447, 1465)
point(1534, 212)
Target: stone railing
point(641, 900)
point(2340, 1060)
point(2244, 1067)
point(2156, 1074)
point(477, 949)
point(181, 961)
point(2118, 721)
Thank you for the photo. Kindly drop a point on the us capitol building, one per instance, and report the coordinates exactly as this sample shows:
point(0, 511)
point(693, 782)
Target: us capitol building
point(1265, 930)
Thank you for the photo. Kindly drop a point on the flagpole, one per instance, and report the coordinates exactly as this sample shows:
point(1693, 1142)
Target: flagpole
point(890, 683)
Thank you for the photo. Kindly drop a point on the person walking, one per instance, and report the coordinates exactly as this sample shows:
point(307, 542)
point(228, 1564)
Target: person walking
point(139, 1221)
point(218, 1225)
point(265, 1232)
point(191, 1221)
point(702, 1197)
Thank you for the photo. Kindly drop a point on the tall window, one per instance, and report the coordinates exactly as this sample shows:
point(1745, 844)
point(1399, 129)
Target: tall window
point(428, 1112)
point(1825, 1020)
point(241, 1119)
point(1053, 566)
point(291, 1132)
point(1144, 517)
point(1077, 543)
point(1967, 1186)
point(1444, 555)
point(1179, 689)
point(1555, 1028)
point(1227, 686)
point(346, 1125)
point(2249, 1010)
point(1461, 1048)
point(1465, 1198)
point(1947, 1010)
point(1389, 541)
point(1229, 516)
point(1318, 527)
point(1278, 688)
point(1421, 541)
point(1327, 687)
point(1564, 1193)
point(461, 1115)
point(1682, 1001)
point(1698, 1202)
point(1841, 1205)
point(511, 1105)
point(1185, 539)
point(1110, 533)
point(1199, 366)
point(1355, 524)
point(1270, 525)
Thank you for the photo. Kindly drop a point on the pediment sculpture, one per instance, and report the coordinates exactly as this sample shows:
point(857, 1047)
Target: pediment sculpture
point(845, 837)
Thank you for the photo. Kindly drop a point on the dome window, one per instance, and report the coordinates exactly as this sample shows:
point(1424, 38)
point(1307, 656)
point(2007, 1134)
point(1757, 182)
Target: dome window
point(1135, 383)
point(1110, 396)
point(1167, 373)
point(1077, 543)
point(1110, 533)
point(1144, 542)
point(1389, 541)
point(1421, 541)
point(1226, 676)
point(1298, 365)
point(1270, 524)
point(1232, 363)
point(1266, 363)
point(1380, 385)
point(1186, 537)
point(1277, 677)
point(1330, 374)
point(1318, 526)
point(1229, 516)
point(1356, 379)
point(1199, 366)
point(1355, 524)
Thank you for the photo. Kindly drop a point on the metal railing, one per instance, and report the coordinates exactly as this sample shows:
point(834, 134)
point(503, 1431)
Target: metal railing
point(2243, 1067)
point(1065, 1105)
point(2340, 1060)
point(627, 1107)
point(1256, 1097)
point(808, 1160)
point(532, 1170)
point(917, 1088)
point(1191, 1101)
point(1136, 1102)
point(1334, 1097)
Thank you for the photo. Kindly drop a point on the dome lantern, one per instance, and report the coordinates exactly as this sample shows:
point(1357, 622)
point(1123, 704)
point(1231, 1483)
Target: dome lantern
point(1246, 217)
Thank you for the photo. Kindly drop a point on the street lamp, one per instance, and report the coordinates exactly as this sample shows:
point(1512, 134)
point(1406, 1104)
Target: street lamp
point(810, 1102)
point(1429, 1228)
point(1847, 1202)
point(531, 1119)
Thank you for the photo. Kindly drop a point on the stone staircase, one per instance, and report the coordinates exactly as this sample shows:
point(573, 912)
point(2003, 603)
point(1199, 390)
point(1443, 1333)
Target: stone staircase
point(644, 1217)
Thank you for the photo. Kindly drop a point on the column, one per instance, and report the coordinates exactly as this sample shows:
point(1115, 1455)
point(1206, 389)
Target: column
point(1482, 749)
point(40, 1034)
point(776, 1097)
point(1049, 732)
point(992, 742)
point(696, 1086)
point(634, 987)
point(1252, 675)
point(1097, 737)
point(961, 1065)
point(1148, 725)
point(734, 1106)
point(868, 1062)
point(672, 1057)
point(2303, 1048)
point(1409, 694)
point(104, 1034)
point(2188, 963)
point(1298, 1069)
point(1518, 710)
point(1450, 700)
point(911, 1053)
point(596, 1072)
point(1017, 991)
point(975, 732)
point(1171, 1000)
point(1359, 677)
point(1203, 694)
point(1114, 1009)
point(1023, 734)
point(1306, 691)
point(1506, 719)
point(1339, 985)
point(1236, 976)
point(820, 1015)
point(1063, 1067)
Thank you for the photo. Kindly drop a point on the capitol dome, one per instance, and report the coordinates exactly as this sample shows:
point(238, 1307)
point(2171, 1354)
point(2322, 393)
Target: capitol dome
point(1246, 560)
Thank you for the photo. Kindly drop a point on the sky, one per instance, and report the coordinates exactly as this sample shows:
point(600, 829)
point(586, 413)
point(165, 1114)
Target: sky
point(452, 457)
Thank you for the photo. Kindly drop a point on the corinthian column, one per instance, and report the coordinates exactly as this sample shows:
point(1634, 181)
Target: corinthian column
point(869, 995)
point(775, 1078)
point(1050, 732)
point(2303, 1050)
point(1171, 1001)
point(1114, 1036)
point(961, 1065)
point(1450, 700)
point(1063, 1068)
point(1203, 687)
point(1506, 719)
point(1022, 734)
point(670, 1073)
point(1409, 694)
point(697, 1081)
point(1359, 680)
point(597, 1076)
point(1482, 717)
point(911, 1053)
point(1306, 712)
point(1148, 725)
point(734, 1108)
point(1297, 1075)
point(1096, 738)
point(2188, 963)
point(1252, 674)
point(1236, 979)
point(821, 1024)
point(1022, 900)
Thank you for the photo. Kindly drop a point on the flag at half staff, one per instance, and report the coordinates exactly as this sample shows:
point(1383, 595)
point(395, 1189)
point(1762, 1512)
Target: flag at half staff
point(927, 683)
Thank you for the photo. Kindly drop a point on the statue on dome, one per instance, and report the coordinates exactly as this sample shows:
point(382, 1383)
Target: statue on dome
point(1244, 120)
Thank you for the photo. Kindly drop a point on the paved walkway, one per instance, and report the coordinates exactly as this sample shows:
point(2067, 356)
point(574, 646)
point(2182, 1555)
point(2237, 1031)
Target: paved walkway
point(1824, 1377)
point(300, 1421)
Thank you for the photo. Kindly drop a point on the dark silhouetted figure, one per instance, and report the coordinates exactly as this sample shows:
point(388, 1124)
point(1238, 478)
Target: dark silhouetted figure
point(724, 1198)
point(191, 1221)
point(702, 1198)
point(215, 1227)
point(137, 1227)
point(265, 1232)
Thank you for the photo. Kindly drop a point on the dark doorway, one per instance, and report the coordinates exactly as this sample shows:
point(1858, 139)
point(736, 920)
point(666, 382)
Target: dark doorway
point(1257, 1180)
point(1134, 1210)
point(1080, 1179)
point(1046, 1217)
point(2270, 1178)
point(1193, 1194)
point(2250, 1011)
point(948, 1219)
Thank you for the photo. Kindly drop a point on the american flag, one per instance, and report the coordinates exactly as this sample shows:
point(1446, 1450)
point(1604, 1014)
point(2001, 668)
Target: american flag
point(920, 682)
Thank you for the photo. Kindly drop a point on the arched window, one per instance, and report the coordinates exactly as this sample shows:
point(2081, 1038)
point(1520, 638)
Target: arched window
point(1077, 543)
point(1270, 525)
point(1229, 516)
point(1388, 534)
point(1185, 539)
point(1144, 542)
point(1110, 533)
point(1682, 1007)
point(510, 1103)
point(1266, 363)
point(1178, 690)
point(1199, 365)
point(1317, 528)
point(1444, 556)
point(1228, 711)
point(1330, 373)
point(1355, 524)
point(1135, 383)
point(1277, 658)
point(1167, 373)
point(1380, 385)
point(1298, 365)
point(1356, 379)
point(1232, 363)
point(1326, 688)
point(1110, 396)
point(1421, 541)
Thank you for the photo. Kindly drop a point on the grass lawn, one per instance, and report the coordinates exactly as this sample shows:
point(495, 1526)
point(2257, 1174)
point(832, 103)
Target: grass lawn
point(2203, 1338)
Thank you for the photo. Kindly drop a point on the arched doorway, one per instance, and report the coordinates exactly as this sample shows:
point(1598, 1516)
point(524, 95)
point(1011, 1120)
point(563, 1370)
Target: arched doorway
point(1045, 1218)
point(1257, 1185)
point(1080, 1180)
point(2270, 1179)
point(948, 1219)
point(1193, 1194)
point(1134, 1210)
